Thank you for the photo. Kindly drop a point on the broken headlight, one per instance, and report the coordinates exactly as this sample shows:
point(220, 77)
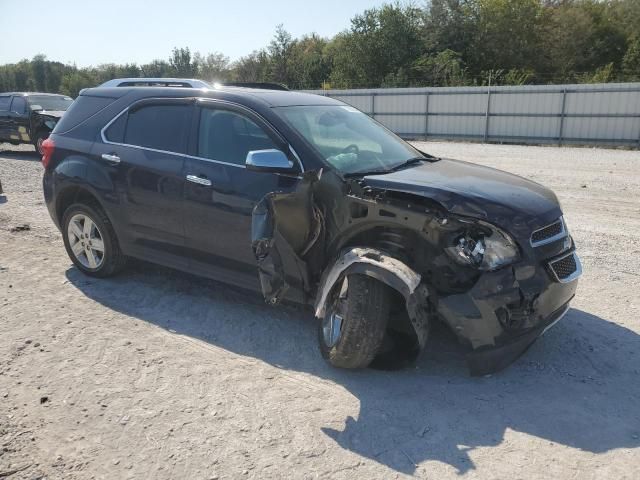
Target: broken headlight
point(485, 248)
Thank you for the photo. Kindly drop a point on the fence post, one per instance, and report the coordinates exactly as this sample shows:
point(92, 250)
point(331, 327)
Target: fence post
point(373, 105)
point(486, 116)
point(562, 114)
point(426, 115)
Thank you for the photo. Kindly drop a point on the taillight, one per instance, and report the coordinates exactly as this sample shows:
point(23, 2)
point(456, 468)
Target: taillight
point(48, 147)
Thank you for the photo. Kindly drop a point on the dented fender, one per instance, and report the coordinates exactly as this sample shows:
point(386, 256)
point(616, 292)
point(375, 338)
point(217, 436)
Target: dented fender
point(382, 267)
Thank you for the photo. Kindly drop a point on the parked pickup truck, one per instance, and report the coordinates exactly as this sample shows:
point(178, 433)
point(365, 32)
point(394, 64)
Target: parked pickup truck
point(30, 117)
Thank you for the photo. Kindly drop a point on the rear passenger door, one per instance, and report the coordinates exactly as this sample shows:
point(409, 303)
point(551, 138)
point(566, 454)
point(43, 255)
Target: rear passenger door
point(145, 150)
point(220, 193)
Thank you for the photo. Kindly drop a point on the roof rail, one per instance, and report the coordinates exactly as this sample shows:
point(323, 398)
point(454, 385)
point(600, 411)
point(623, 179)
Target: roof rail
point(155, 82)
point(261, 85)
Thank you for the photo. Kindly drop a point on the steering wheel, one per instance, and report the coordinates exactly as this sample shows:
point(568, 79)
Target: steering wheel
point(353, 148)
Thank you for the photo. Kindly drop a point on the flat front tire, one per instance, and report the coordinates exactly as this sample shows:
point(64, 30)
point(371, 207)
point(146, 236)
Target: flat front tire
point(90, 240)
point(353, 328)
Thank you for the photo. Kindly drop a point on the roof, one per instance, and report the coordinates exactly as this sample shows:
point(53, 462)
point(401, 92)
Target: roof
point(267, 98)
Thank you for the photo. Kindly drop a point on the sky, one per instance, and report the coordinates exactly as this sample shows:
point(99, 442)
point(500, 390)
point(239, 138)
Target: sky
point(92, 32)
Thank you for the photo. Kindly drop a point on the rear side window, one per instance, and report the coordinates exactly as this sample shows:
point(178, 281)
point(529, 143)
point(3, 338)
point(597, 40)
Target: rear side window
point(161, 127)
point(227, 136)
point(4, 103)
point(80, 110)
point(19, 105)
point(115, 132)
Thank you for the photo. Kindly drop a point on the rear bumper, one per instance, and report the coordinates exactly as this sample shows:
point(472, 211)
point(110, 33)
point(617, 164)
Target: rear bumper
point(504, 313)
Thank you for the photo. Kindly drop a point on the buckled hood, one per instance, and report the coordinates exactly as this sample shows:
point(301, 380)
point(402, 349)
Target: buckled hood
point(511, 202)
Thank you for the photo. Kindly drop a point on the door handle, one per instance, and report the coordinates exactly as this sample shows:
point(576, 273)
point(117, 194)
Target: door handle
point(199, 180)
point(111, 158)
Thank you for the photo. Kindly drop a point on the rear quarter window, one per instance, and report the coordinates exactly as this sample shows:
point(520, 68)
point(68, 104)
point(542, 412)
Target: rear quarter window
point(4, 103)
point(161, 127)
point(81, 109)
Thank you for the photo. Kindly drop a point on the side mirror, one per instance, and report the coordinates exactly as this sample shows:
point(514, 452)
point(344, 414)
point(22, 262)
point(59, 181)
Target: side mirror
point(272, 161)
point(35, 108)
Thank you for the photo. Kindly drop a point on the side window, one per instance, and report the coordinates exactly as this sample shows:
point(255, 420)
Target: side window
point(19, 105)
point(115, 132)
point(161, 127)
point(4, 103)
point(228, 136)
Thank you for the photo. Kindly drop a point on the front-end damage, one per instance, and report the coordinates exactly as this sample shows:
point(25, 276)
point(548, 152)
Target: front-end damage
point(328, 229)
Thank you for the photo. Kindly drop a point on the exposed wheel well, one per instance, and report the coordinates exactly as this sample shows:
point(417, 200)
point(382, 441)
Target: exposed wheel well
point(73, 195)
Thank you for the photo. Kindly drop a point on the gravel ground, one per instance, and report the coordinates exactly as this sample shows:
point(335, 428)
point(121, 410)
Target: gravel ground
point(157, 374)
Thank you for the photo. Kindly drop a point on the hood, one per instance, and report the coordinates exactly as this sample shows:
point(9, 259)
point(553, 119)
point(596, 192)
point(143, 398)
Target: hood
point(511, 202)
point(50, 113)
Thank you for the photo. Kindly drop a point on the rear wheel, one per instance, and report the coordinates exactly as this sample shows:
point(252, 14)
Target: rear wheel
point(353, 328)
point(90, 241)
point(41, 136)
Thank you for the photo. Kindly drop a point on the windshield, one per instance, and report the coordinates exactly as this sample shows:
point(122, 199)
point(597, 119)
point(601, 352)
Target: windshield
point(348, 139)
point(51, 102)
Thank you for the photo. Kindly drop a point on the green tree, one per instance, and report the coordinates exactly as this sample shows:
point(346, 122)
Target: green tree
point(380, 43)
point(309, 65)
point(279, 50)
point(212, 67)
point(181, 63)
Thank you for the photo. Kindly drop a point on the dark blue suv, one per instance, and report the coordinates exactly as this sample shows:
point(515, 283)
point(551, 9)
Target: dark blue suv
point(307, 199)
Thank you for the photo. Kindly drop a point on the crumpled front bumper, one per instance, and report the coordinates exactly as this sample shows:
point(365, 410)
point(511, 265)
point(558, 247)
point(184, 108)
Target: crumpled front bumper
point(505, 312)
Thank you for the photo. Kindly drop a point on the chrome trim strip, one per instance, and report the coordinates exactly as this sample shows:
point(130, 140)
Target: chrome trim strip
point(552, 324)
point(104, 139)
point(574, 276)
point(546, 241)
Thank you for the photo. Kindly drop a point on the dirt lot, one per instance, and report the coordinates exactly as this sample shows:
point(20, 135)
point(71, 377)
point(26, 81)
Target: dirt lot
point(156, 374)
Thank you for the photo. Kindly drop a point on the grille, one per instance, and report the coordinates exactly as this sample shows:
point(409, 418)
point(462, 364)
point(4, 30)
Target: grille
point(565, 267)
point(548, 234)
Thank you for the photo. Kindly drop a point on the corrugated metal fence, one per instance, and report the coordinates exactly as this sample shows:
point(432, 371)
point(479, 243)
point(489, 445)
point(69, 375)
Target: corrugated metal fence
point(595, 114)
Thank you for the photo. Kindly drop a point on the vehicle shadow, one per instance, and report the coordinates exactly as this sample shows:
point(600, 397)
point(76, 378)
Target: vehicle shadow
point(577, 387)
point(7, 151)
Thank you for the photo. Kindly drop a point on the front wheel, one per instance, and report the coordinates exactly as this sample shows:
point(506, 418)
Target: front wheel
point(353, 328)
point(90, 240)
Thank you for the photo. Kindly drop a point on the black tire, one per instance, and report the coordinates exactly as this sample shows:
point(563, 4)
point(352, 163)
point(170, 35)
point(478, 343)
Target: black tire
point(365, 313)
point(113, 260)
point(41, 136)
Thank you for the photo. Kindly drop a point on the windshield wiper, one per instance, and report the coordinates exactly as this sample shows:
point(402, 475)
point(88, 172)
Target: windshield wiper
point(407, 163)
point(382, 171)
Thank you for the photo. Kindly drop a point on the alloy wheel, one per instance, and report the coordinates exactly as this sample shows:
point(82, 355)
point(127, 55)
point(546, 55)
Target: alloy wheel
point(86, 241)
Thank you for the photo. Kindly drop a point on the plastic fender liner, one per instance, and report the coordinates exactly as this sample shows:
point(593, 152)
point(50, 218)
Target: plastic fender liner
point(389, 270)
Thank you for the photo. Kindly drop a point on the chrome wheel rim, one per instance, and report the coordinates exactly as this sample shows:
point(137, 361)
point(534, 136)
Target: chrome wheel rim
point(39, 146)
point(334, 318)
point(86, 241)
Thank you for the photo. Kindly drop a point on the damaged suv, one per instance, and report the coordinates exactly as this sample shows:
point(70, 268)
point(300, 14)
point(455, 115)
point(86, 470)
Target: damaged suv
point(309, 200)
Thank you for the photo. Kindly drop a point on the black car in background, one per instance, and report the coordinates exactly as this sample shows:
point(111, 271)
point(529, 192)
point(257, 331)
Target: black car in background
point(307, 199)
point(30, 117)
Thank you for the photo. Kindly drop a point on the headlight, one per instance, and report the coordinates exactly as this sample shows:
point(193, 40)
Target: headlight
point(486, 248)
point(50, 123)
